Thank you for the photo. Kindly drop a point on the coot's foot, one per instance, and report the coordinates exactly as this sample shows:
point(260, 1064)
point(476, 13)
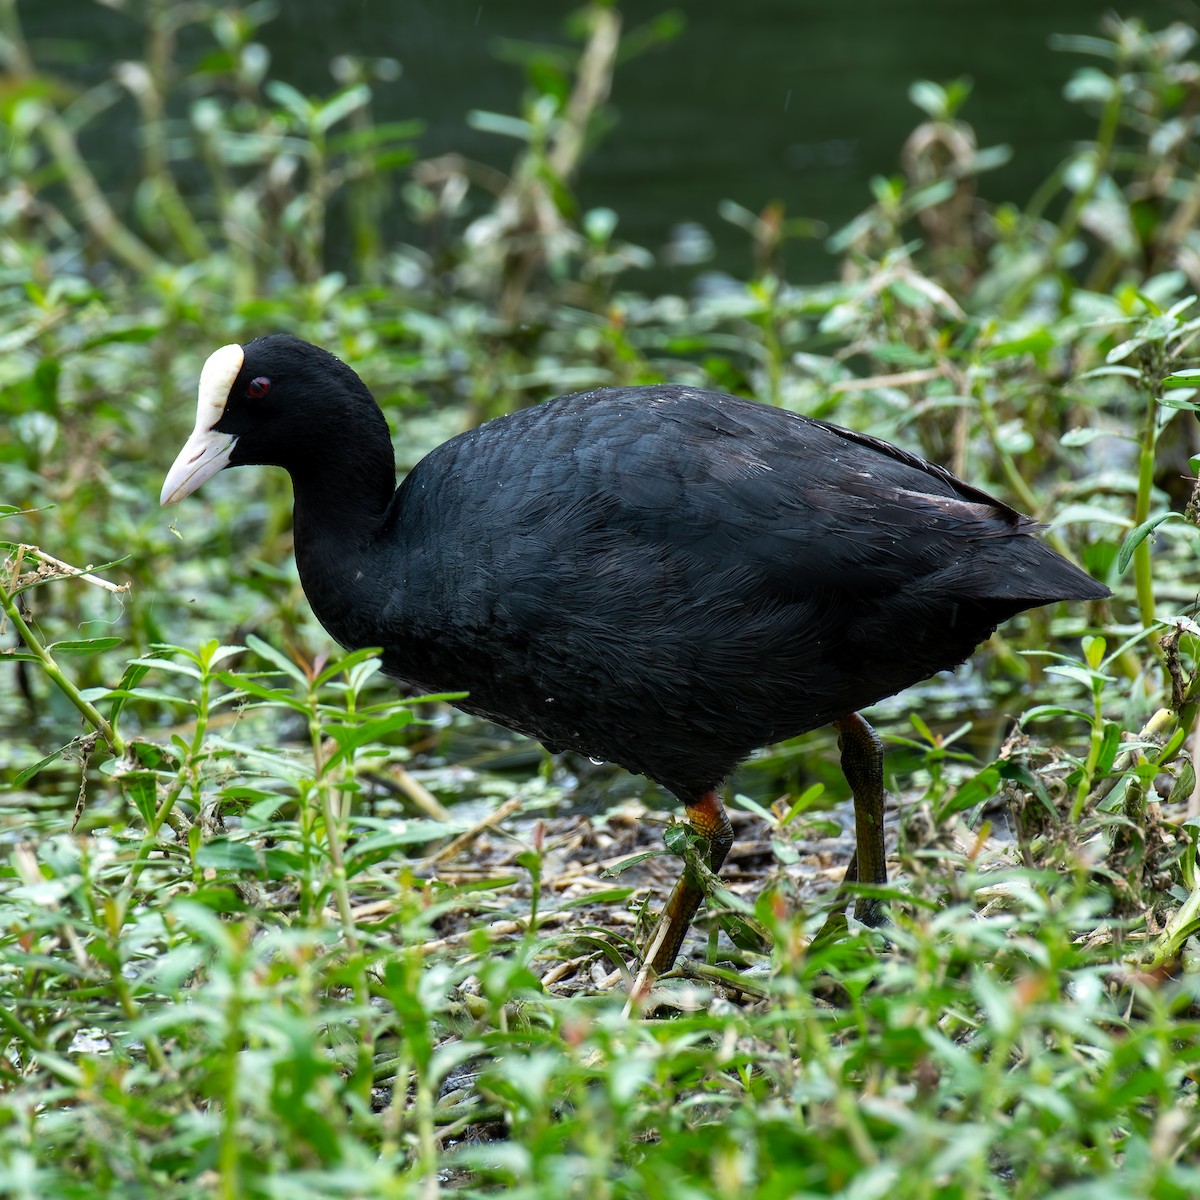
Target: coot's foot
point(710, 820)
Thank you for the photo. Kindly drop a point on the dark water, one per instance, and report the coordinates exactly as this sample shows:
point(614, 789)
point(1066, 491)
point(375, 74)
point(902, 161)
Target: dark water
point(800, 101)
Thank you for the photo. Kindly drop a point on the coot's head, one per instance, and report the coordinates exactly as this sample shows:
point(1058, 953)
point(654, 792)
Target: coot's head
point(277, 401)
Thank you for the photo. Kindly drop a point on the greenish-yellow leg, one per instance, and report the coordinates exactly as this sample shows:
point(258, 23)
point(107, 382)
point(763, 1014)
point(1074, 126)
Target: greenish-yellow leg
point(862, 764)
point(709, 819)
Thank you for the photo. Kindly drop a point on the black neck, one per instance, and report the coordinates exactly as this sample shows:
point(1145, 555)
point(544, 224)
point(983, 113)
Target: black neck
point(340, 511)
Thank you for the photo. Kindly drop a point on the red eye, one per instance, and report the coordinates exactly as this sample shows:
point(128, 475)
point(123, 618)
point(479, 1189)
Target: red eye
point(258, 387)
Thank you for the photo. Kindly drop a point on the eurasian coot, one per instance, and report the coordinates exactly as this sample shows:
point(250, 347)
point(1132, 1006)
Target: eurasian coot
point(663, 577)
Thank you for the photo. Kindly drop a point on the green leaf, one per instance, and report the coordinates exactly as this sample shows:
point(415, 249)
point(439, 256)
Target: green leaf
point(1137, 535)
point(1037, 341)
point(1122, 351)
point(277, 659)
point(219, 899)
point(1183, 401)
point(1051, 710)
point(1093, 651)
point(341, 106)
point(372, 137)
point(28, 773)
point(929, 97)
point(218, 654)
point(224, 854)
point(350, 737)
point(1082, 437)
point(1186, 378)
point(1101, 372)
point(1110, 743)
point(980, 787)
point(415, 832)
point(269, 694)
point(1079, 43)
point(678, 837)
point(135, 672)
point(289, 98)
point(784, 852)
point(490, 122)
point(919, 200)
point(632, 861)
point(153, 695)
point(85, 645)
point(1072, 513)
point(753, 806)
point(608, 896)
point(187, 668)
point(990, 158)
point(1079, 674)
point(804, 801)
point(919, 725)
point(745, 932)
point(346, 665)
point(141, 789)
point(151, 756)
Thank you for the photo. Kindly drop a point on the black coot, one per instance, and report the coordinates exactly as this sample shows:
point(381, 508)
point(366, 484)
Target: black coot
point(663, 577)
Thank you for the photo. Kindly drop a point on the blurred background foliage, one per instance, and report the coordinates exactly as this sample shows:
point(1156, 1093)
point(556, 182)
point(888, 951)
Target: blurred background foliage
point(195, 191)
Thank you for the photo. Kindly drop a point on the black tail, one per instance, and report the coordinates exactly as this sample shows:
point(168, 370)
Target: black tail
point(1020, 570)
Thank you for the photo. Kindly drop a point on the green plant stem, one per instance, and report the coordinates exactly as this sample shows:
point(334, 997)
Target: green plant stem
point(774, 354)
point(132, 1010)
point(341, 890)
point(1106, 137)
point(332, 821)
point(188, 771)
point(163, 20)
point(364, 202)
point(593, 82)
point(1143, 576)
point(229, 1156)
point(243, 279)
point(1012, 473)
point(426, 1137)
point(1044, 193)
point(311, 237)
point(90, 713)
point(26, 1035)
point(97, 213)
point(1181, 926)
point(1013, 476)
point(1093, 757)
